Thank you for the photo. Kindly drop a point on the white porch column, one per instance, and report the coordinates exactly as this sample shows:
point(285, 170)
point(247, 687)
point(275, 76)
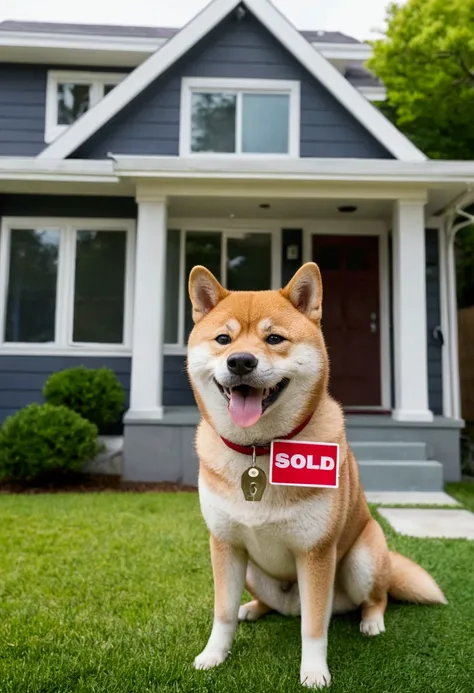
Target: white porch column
point(146, 387)
point(409, 312)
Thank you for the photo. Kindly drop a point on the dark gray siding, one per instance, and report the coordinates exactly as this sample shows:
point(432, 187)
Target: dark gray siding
point(22, 377)
point(176, 388)
point(23, 106)
point(433, 317)
point(68, 206)
point(22, 109)
point(150, 124)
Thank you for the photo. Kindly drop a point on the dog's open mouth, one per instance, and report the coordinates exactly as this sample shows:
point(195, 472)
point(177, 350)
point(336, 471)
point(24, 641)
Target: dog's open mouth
point(247, 404)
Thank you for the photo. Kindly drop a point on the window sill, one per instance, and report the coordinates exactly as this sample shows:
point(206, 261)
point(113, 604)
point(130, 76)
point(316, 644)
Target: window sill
point(241, 156)
point(54, 350)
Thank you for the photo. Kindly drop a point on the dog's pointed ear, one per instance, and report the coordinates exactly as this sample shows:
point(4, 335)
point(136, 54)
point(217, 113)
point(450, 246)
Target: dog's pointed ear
point(205, 292)
point(305, 291)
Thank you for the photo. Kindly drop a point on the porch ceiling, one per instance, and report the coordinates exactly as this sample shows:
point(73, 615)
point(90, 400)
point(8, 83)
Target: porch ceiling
point(279, 208)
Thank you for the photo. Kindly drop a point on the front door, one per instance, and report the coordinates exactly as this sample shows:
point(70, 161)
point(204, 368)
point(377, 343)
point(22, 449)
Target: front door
point(351, 323)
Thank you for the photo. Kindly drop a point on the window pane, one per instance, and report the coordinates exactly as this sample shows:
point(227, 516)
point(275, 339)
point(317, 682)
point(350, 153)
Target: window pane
point(73, 101)
point(201, 249)
point(265, 123)
point(99, 287)
point(172, 286)
point(213, 122)
point(31, 298)
point(249, 262)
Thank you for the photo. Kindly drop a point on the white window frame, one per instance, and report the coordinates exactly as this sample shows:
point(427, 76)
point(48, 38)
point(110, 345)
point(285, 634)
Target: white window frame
point(182, 227)
point(239, 87)
point(97, 82)
point(63, 342)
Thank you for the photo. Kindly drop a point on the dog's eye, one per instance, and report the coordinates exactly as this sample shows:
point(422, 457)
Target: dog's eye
point(223, 339)
point(274, 339)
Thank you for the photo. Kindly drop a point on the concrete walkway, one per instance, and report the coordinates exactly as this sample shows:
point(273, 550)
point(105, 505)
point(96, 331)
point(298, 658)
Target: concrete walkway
point(433, 523)
point(410, 498)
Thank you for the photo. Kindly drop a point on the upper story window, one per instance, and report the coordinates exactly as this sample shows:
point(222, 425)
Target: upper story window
point(251, 117)
point(70, 94)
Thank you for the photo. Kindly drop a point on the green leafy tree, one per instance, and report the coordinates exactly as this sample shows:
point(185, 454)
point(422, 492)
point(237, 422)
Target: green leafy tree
point(426, 62)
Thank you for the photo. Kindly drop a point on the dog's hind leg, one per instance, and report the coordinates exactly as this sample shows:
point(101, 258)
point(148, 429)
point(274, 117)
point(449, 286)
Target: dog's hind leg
point(365, 576)
point(269, 594)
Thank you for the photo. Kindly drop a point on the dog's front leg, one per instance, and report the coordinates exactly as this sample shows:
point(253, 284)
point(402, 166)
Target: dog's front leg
point(229, 565)
point(316, 571)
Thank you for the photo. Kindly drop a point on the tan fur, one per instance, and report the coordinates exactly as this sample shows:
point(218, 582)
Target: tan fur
point(321, 548)
point(410, 582)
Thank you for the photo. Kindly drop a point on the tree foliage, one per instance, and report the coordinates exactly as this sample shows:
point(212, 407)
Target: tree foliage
point(426, 61)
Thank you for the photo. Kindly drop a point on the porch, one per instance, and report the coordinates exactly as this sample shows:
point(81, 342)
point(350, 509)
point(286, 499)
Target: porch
point(392, 456)
point(385, 318)
point(376, 228)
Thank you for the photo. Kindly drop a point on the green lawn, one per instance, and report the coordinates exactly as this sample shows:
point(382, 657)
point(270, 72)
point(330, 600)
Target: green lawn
point(112, 593)
point(464, 492)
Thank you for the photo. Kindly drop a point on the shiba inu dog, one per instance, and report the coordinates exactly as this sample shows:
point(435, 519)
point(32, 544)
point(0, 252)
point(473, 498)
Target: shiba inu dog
point(259, 369)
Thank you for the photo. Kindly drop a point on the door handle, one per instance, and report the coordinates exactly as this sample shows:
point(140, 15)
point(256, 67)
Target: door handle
point(438, 335)
point(373, 323)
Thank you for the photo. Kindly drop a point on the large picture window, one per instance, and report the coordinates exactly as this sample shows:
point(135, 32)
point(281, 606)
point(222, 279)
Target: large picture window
point(66, 283)
point(71, 94)
point(240, 260)
point(242, 117)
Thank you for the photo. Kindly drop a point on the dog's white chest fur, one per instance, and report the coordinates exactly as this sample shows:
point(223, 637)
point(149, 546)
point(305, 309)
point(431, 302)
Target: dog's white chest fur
point(271, 530)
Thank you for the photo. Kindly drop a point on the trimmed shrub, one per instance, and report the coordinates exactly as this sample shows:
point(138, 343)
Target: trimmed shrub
point(42, 439)
point(94, 393)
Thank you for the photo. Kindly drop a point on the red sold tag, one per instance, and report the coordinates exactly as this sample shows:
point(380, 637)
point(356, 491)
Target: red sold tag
point(301, 463)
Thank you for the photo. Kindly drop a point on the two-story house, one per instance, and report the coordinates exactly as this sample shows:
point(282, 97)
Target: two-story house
point(129, 155)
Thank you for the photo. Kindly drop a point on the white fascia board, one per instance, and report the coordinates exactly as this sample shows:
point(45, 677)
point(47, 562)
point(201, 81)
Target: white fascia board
point(27, 39)
point(23, 168)
point(373, 93)
point(147, 45)
point(376, 123)
point(349, 52)
point(353, 170)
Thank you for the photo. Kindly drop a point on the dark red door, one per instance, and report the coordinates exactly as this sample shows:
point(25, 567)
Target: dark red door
point(351, 324)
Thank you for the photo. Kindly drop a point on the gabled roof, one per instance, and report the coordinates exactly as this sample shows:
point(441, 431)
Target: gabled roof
point(381, 128)
point(13, 25)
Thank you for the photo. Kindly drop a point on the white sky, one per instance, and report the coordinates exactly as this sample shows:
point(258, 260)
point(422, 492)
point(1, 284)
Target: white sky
point(359, 19)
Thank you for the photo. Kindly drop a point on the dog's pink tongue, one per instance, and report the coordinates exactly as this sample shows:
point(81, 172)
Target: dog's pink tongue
point(245, 411)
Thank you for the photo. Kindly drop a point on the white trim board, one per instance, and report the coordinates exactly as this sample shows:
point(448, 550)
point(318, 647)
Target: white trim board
point(328, 75)
point(286, 168)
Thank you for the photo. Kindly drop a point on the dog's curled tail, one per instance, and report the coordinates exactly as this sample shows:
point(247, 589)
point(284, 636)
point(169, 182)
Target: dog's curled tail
point(411, 583)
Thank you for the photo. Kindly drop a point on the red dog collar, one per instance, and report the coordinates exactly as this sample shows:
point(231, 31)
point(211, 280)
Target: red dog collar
point(263, 449)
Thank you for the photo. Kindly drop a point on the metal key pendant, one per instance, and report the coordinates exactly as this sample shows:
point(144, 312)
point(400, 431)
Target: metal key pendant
point(254, 481)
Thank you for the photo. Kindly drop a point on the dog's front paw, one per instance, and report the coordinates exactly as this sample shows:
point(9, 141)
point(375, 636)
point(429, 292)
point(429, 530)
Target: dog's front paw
point(315, 678)
point(209, 659)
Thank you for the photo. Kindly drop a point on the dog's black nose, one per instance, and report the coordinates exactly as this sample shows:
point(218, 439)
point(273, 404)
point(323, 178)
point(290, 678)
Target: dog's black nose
point(241, 364)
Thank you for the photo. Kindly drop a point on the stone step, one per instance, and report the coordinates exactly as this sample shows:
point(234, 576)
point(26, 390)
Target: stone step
point(396, 475)
point(388, 450)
